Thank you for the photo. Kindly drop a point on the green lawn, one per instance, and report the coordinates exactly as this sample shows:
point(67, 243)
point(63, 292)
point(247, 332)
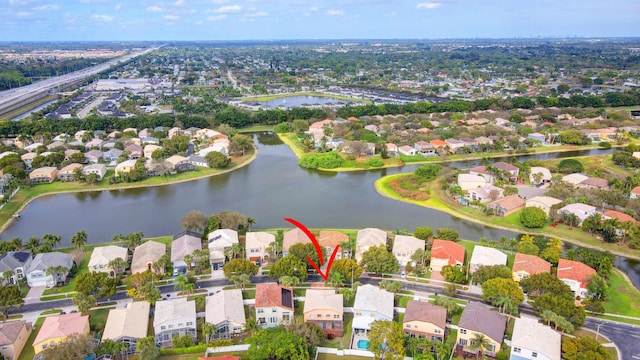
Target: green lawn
point(52, 311)
point(624, 298)
point(27, 352)
point(98, 319)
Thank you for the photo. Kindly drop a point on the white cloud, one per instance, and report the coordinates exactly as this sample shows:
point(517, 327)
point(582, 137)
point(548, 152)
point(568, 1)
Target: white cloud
point(429, 5)
point(171, 17)
point(118, 7)
point(217, 18)
point(228, 9)
point(257, 14)
point(46, 7)
point(105, 18)
point(94, 1)
point(334, 12)
point(314, 8)
point(218, 2)
point(179, 3)
point(154, 8)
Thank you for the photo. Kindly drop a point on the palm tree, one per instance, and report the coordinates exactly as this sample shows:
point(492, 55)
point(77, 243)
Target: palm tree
point(233, 251)
point(16, 244)
point(479, 343)
point(118, 265)
point(56, 272)
point(79, 239)
point(33, 245)
point(7, 275)
point(337, 280)
point(183, 283)
point(548, 316)
point(188, 259)
point(52, 239)
point(250, 222)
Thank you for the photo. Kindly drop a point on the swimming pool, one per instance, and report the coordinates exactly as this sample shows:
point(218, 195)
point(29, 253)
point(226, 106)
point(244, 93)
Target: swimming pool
point(363, 344)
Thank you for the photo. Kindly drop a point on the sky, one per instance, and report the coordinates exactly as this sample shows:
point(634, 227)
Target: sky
point(123, 20)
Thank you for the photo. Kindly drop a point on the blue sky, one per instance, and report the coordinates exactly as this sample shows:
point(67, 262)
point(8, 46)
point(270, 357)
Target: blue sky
point(35, 20)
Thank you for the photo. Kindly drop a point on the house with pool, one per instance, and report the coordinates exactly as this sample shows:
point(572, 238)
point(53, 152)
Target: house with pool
point(371, 304)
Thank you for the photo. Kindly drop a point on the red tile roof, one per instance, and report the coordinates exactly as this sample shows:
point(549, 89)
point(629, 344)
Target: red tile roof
point(438, 142)
point(530, 264)
point(620, 216)
point(575, 270)
point(423, 311)
point(270, 295)
point(332, 238)
point(444, 249)
point(636, 190)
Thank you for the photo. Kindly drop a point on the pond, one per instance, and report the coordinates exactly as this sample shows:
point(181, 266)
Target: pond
point(304, 101)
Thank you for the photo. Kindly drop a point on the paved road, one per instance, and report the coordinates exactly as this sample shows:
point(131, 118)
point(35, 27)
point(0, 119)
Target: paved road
point(626, 337)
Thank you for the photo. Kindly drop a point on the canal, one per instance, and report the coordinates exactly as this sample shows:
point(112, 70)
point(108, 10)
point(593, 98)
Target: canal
point(269, 189)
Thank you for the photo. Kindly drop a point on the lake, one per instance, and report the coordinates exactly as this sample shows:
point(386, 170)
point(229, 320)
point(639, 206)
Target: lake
point(269, 189)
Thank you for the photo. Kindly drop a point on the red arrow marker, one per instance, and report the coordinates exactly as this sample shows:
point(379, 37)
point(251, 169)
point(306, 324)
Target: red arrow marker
point(315, 242)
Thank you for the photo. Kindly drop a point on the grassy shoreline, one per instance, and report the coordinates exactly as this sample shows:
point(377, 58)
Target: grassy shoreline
point(438, 202)
point(291, 140)
point(24, 197)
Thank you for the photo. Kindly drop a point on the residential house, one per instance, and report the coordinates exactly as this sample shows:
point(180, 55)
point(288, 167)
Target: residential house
point(485, 193)
point(149, 150)
point(197, 160)
point(111, 155)
point(404, 247)
point(575, 274)
point(424, 320)
point(219, 241)
point(424, 148)
point(54, 145)
point(218, 148)
point(183, 244)
point(178, 163)
point(482, 140)
point(28, 158)
point(67, 172)
point(16, 261)
point(635, 193)
point(482, 171)
point(594, 183)
point(135, 151)
point(293, 237)
point(36, 272)
point(506, 205)
point(256, 245)
point(274, 304)
point(469, 181)
point(407, 150)
point(512, 170)
point(43, 174)
point(542, 202)
point(532, 340)
point(367, 238)
point(525, 265)
point(620, 216)
point(93, 143)
point(539, 175)
point(575, 178)
point(175, 317)
point(581, 211)
point(128, 325)
point(98, 169)
point(146, 255)
point(103, 255)
point(324, 308)
point(486, 256)
point(537, 136)
point(58, 328)
point(329, 240)
point(79, 135)
point(478, 318)
point(454, 144)
point(225, 311)
point(438, 145)
point(392, 150)
point(93, 156)
point(444, 252)
point(174, 131)
point(13, 338)
point(125, 167)
point(371, 303)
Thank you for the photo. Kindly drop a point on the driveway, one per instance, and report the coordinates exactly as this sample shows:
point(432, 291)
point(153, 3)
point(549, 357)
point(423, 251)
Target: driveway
point(34, 295)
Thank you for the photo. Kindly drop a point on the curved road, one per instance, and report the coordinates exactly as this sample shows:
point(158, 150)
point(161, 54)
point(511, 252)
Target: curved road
point(626, 337)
